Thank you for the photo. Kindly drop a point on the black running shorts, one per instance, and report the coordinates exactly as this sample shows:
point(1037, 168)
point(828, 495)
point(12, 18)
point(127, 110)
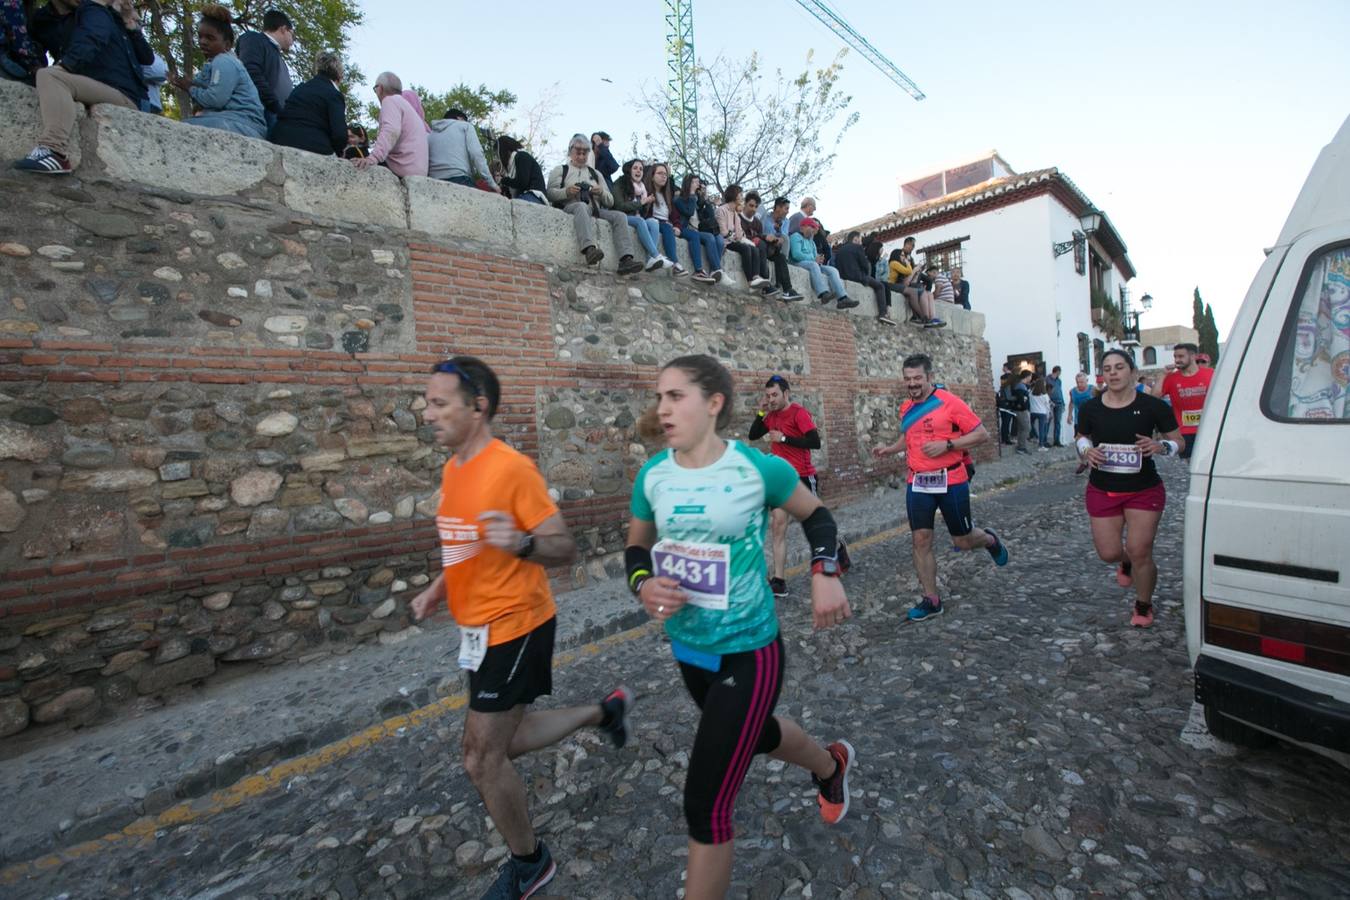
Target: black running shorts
point(516, 672)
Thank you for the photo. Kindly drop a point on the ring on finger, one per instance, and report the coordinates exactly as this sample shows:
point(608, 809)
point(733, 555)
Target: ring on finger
point(660, 609)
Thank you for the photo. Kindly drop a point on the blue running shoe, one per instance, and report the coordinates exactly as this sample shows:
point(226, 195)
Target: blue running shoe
point(927, 608)
point(517, 880)
point(999, 551)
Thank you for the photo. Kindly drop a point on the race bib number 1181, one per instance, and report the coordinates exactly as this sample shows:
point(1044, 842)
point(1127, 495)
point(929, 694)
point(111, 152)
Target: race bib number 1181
point(702, 570)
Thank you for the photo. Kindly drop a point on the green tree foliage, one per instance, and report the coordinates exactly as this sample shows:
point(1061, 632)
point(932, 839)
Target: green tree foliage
point(777, 135)
point(1202, 320)
point(320, 25)
point(1209, 336)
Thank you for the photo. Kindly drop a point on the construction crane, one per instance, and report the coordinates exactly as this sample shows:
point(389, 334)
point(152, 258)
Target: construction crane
point(681, 83)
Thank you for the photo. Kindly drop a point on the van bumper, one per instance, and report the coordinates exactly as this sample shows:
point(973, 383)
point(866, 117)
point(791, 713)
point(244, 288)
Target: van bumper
point(1270, 703)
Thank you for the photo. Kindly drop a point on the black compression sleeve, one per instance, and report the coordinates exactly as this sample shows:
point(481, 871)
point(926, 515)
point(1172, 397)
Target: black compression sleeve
point(637, 562)
point(822, 534)
point(808, 441)
point(757, 429)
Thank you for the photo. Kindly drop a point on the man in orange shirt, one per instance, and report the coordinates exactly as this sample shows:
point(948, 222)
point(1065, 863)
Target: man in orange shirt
point(936, 428)
point(499, 530)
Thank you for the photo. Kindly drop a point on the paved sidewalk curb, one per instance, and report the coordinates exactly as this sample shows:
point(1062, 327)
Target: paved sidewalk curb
point(80, 790)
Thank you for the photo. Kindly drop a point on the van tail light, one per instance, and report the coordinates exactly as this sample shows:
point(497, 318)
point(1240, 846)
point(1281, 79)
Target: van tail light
point(1317, 645)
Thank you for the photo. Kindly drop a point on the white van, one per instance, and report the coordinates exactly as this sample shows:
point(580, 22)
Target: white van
point(1267, 555)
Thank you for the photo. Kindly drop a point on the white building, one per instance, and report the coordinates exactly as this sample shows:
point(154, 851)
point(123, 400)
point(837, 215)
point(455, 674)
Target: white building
point(1035, 251)
point(1156, 345)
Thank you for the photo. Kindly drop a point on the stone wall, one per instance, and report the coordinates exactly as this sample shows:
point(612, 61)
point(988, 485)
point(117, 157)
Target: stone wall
point(213, 352)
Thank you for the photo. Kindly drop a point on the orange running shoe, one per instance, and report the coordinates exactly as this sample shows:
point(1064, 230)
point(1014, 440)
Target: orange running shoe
point(1124, 576)
point(1143, 615)
point(833, 796)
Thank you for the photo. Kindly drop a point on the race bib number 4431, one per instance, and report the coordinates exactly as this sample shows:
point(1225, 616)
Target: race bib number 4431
point(1122, 459)
point(703, 570)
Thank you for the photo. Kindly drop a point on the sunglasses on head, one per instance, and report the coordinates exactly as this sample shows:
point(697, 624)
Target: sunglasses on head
point(449, 368)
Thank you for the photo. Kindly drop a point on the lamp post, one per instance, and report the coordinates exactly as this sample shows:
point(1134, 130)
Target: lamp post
point(1132, 317)
point(1089, 222)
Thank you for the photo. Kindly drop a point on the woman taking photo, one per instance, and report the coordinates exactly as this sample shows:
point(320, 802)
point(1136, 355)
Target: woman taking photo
point(1125, 495)
point(712, 594)
point(703, 248)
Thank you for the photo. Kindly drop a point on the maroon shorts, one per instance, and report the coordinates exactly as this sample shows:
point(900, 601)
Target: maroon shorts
point(1109, 504)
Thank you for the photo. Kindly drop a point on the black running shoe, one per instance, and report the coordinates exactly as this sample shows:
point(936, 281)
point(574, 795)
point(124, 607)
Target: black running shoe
point(517, 880)
point(615, 708)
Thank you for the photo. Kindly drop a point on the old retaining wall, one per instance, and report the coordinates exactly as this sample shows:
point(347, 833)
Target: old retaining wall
point(212, 353)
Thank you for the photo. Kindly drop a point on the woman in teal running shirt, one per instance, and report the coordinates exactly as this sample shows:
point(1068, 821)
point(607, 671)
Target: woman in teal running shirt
point(695, 559)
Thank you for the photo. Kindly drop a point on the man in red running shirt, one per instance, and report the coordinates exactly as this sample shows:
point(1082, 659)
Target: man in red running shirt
point(1186, 386)
point(792, 434)
point(936, 428)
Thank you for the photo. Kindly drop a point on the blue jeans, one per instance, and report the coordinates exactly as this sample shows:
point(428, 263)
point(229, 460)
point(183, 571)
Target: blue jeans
point(668, 241)
point(531, 198)
point(647, 230)
point(1057, 410)
point(701, 242)
point(1039, 424)
point(819, 274)
point(462, 179)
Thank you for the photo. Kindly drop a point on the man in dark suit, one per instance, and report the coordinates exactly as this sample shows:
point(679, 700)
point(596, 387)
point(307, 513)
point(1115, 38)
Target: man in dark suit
point(261, 56)
point(851, 261)
point(315, 117)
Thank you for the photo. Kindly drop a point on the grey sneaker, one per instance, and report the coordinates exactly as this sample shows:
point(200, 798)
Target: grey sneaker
point(517, 880)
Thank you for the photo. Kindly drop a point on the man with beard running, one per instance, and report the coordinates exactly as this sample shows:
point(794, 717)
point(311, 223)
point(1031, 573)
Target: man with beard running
point(1186, 386)
point(936, 428)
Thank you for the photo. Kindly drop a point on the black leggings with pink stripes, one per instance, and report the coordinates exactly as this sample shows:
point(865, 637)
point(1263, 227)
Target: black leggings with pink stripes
point(737, 723)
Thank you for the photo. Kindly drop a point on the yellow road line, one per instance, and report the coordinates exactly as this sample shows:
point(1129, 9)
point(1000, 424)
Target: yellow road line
point(253, 786)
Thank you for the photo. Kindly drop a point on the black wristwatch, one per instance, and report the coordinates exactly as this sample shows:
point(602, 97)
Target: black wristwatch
point(526, 545)
point(950, 447)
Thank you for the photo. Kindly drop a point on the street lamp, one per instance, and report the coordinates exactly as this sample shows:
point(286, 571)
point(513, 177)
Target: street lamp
point(1132, 316)
point(1091, 220)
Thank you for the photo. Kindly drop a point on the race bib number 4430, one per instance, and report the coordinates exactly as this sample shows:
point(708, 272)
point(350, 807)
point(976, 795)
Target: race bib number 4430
point(703, 570)
point(1122, 459)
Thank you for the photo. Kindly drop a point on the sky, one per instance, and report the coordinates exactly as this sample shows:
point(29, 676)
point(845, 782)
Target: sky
point(1191, 123)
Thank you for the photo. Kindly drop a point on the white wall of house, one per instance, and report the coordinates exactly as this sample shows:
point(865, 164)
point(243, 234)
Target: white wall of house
point(1032, 301)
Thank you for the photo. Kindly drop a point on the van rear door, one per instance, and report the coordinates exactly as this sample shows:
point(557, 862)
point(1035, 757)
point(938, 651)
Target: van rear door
point(1274, 566)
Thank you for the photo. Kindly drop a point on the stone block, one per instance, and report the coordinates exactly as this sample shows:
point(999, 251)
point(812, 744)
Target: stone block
point(180, 671)
point(335, 189)
point(449, 210)
point(13, 716)
point(544, 235)
point(166, 154)
point(23, 123)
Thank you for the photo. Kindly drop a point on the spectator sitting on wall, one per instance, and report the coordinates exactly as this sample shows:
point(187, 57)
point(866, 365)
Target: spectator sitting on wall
point(416, 103)
point(707, 218)
point(261, 54)
point(52, 26)
point(601, 159)
point(358, 143)
point(222, 93)
point(807, 211)
point(802, 253)
point(851, 260)
point(753, 263)
point(632, 198)
point(315, 117)
point(662, 211)
point(941, 287)
point(455, 154)
point(402, 140)
point(900, 272)
point(20, 56)
point(961, 287)
point(872, 248)
point(102, 64)
point(154, 75)
point(577, 189)
point(756, 224)
point(522, 178)
point(703, 247)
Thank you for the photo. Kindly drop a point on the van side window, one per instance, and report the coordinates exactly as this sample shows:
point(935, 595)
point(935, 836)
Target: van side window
point(1310, 380)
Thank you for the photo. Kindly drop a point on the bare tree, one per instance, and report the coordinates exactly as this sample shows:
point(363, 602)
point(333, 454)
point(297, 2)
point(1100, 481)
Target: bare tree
point(778, 136)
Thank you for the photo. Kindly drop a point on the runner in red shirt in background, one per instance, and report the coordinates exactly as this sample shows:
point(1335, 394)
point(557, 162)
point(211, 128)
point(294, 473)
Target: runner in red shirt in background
point(1186, 386)
point(792, 435)
point(936, 428)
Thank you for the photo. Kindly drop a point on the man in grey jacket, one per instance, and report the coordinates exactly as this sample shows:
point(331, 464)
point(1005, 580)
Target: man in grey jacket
point(455, 153)
point(578, 190)
point(261, 55)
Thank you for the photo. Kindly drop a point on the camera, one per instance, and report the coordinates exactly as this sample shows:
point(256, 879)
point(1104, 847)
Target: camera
point(584, 193)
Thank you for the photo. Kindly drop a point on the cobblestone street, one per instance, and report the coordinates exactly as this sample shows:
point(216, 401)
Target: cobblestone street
point(1027, 743)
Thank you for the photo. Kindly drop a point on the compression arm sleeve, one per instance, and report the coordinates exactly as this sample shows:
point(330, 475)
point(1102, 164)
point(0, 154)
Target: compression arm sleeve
point(808, 441)
point(637, 562)
point(757, 429)
point(822, 534)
